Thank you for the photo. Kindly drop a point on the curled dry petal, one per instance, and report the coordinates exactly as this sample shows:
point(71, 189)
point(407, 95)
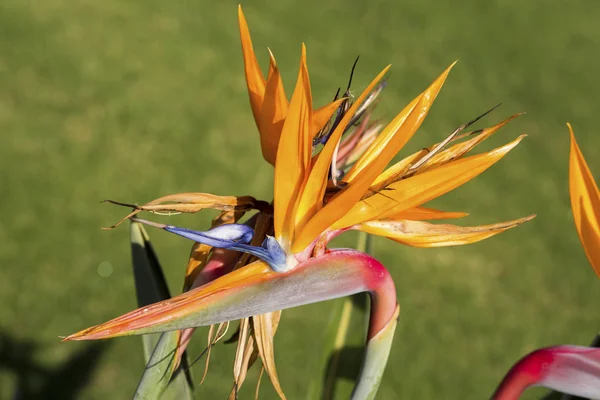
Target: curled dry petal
point(265, 326)
point(246, 355)
point(568, 369)
point(192, 203)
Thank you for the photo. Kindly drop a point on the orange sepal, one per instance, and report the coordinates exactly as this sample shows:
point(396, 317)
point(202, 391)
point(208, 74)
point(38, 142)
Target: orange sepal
point(314, 189)
point(585, 202)
point(273, 112)
point(402, 128)
point(419, 189)
point(293, 155)
point(254, 77)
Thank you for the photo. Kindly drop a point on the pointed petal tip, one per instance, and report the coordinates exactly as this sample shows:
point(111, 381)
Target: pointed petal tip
point(272, 58)
point(446, 72)
point(514, 143)
point(571, 131)
point(78, 336)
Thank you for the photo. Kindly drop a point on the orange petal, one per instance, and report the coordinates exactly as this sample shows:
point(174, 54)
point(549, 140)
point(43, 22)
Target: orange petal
point(254, 77)
point(396, 171)
point(401, 168)
point(460, 149)
point(312, 195)
point(322, 115)
point(293, 155)
point(419, 189)
point(585, 202)
point(273, 112)
point(178, 306)
point(424, 234)
point(423, 213)
point(398, 132)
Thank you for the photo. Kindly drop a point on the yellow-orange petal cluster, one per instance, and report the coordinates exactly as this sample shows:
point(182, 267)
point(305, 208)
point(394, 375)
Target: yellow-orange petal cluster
point(303, 208)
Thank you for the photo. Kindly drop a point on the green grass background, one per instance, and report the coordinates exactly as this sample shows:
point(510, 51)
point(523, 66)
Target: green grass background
point(134, 100)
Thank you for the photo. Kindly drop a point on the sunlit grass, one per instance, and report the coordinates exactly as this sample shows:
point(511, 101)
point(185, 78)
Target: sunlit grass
point(132, 101)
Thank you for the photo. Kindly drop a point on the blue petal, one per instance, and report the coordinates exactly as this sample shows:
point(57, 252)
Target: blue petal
point(275, 250)
point(236, 237)
point(223, 236)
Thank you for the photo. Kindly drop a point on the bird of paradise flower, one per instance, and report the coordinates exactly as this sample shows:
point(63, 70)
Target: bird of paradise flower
point(330, 177)
point(574, 370)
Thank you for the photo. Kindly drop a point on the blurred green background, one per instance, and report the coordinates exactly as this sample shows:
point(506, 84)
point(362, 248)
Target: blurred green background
point(135, 100)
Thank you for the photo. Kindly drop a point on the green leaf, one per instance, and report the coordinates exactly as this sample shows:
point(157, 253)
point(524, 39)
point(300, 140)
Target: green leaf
point(159, 368)
point(159, 349)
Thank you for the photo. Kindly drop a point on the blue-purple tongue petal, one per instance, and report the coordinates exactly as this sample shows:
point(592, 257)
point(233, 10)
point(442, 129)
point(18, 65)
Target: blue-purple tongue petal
point(224, 236)
point(275, 251)
point(233, 237)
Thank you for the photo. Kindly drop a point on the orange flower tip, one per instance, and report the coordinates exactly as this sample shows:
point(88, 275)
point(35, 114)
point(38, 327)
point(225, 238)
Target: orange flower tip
point(514, 116)
point(518, 140)
point(571, 130)
point(272, 58)
point(447, 71)
point(74, 337)
point(528, 218)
